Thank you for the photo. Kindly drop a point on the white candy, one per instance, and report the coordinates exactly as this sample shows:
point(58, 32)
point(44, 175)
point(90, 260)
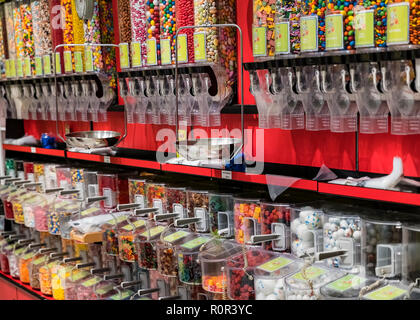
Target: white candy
point(338, 234)
point(313, 220)
point(357, 234)
point(293, 226)
point(344, 224)
point(303, 214)
point(265, 286)
point(271, 297)
point(348, 233)
point(303, 233)
point(279, 284)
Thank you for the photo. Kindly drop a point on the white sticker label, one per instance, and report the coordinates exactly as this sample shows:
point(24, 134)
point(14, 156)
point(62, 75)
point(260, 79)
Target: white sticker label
point(21, 175)
point(93, 190)
point(107, 159)
point(64, 184)
point(80, 186)
point(227, 175)
point(202, 224)
point(157, 203)
point(139, 198)
point(31, 177)
point(111, 198)
point(33, 149)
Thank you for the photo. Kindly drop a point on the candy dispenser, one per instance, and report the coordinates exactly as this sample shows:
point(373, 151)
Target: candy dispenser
point(138, 27)
point(342, 105)
point(247, 219)
point(42, 32)
point(76, 277)
point(153, 32)
point(342, 231)
point(45, 275)
point(127, 234)
point(306, 284)
point(18, 203)
point(221, 214)
point(124, 21)
point(65, 205)
point(372, 104)
point(110, 234)
point(28, 168)
point(275, 221)
point(189, 269)
point(91, 183)
point(170, 239)
point(20, 169)
point(198, 207)
point(402, 22)
point(308, 85)
point(287, 26)
point(94, 288)
point(137, 191)
point(92, 34)
point(263, 32)
point(24, 262)
point(13, 258)
point(42, 211)
point(312, 26)
point(381, 248)
point(345, 288)
point(10, 29)
point(29, 208)
point(10, 168)
point(78, 182)
point(39, 174)
point(7, 197)
point(410, 259)
point(4, 262)
point(269, 276)
point(108, 187)
point(156, 195)
point(167, 10)
point(306, 230)
point(176, 200)
point(240, 270)
point(184, 10)
point(146, 245)
point(64, 177)
point(40, 257)
point(27, 33)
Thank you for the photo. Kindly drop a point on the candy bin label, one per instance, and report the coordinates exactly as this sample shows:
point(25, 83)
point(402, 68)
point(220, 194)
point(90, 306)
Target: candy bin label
point(57, 63)
point(91, 282)
point(282, 37)
point(121, 296)
point(88, 60)
point(138, 198)
point(47, 64)
point(165, 51)
point(27, 68)
point(136, 224)
point(157, 203)
point(38, 66)
point(364, 31)
point(346, 283)
point(308, 33)
point(311, 273)
point(19, 67)
point(111, 198)
point(13, 68)
point(124, 62)
point(192, 244)
point(175, 236)
point(68, 66)
point(259, 45)
point(136, 54)
point(182, 48)
point(200, 46)
point(201, 213)
point(275, 264)
point(154, 231)
point(398, 23)
point(78, 61)
point(386, 293)
point(40, 260)
point(151, 52)
point(334, 32)
point(7, 67)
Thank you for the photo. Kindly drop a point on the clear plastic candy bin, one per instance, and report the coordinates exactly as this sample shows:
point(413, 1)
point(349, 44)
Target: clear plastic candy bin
point(269, 276)
point(410, 254)
point(247, 218)
point(306, 230)
point(306, 284)
point(146, 246)
point(126, 238)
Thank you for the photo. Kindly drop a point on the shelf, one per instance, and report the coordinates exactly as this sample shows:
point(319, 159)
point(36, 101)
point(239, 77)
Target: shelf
point(25, 287)
point(397, 197)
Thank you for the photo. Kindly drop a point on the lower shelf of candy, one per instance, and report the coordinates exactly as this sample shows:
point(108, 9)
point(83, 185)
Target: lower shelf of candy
point(13, 283)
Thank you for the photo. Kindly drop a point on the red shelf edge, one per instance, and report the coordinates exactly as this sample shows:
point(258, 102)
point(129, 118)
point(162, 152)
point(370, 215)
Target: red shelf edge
point(136, 163)
point(207, 172)
point(85, 156)
point(26, 286)
point(370, 193)
point(12, 147)
point(48, 152)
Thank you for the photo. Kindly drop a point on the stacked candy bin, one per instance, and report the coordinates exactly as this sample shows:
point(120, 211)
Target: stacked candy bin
point(264, 14)
point(176, 200)
point(37, 261)
point(13, 258)
point(306, 284)
point(198, 207)
point(247, 218)
point(240, 270)
point(64, 177)
point(221, 214)
point(126, 238)
point(39, 174)
point(269, 276)
point(379, 12)
point(185, 17)
point(45, 276)
point(10, 168)
point(17, 205)
point(50, 176)
point(413, 23)
point(78, 182)
point(91, 183)
point(4, 263)
point(64, 206)
point(146, 246)
point(167, 9)
point(288, 12)
point(138, 26)
point(153, 30)
point(92, 33)
point(156, 195)
point(110, 234)
point(27, 33)
point(189, 270)
point(42, 212)
point(276, 220)
point(29, 207)
point(94, 288)
point(137, 191)
point(389, 291)
point(170, 239)
point(28, 169)
point(7, 196)
point(59, 273)
point(71, 283)
point(108, 187)
point(42, 27)
point(124, 21)
point(306, 230)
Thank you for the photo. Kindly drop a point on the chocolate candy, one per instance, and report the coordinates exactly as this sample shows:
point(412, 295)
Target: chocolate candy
point(176, 200)
point(167, 261)
point(10, 29)
point(147, 255)
point(124, 22)
point(198, 206)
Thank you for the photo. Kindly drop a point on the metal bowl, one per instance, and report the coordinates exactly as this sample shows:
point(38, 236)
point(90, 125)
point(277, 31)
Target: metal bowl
point(209, 149)
point(92, 139)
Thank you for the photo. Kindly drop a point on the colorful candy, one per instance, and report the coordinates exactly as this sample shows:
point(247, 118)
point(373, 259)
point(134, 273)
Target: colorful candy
point(205, 13)
point(185, 17)
point(168, 23)
point(227, 39)
point(92, 34)
point(176, 200)
point(156, 196)
point(198, 206)
point(153, 24)
point(42, 27)
point(264, 14)
point(138, 25)
point(220, 203)
point(277, 214)
point(136, 191)
point(107, 36)
point(247, 218)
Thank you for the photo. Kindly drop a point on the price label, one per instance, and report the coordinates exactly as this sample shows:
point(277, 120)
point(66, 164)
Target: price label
point(12, 68)
point(57, 63)
point(78, 62)
point(259, 42)
point(182, 48)
point(19, 68)
point(33, 150)
point(47, 64)
point(68, 64)
point(200, 52)
point(334, 32)
point(38, 66)
point(88, 60)
point(136, 54)
point(398, 17)
point(7, 67)
point(124, 62)
point(151, 52)
point(227, 175)
point(165, 51)
point(309, 33)
point(107, 159)
point(282, 37)
point(27, 68)
point(363, 28)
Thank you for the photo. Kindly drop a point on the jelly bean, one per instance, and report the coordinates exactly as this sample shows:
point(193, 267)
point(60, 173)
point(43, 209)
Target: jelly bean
point(168, 23)
point(216, 284)
point(185, 17)
point(290, 10)
point(138, 25)
point(42, 27)
point(126, 248)
point(136, 190)
point(167, 261)
point(155, 192)
point(92, 34)
point(107, 36)
point(245, 209)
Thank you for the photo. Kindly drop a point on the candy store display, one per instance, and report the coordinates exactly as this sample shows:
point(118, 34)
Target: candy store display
point(63, 209)
point(137, 191)
point(37, 260)
point(306, 230)
point(269, 276)
point(78, 182)
point(156, 195)
point(287, 13)
point(124, 21)
point(17, 205)
point(64, 177)
point(126, 238)
point(189, 269)
point(240, 270)
point(184, 10)
point(276, 220)
point(167, 9)
point(398, 22)
point(94, 288)
point(59, 272)
point(7, 198)
point(146, 246)
point(198, 207)
point(221, 214)
point(379, 12)
point(263, 26)
point(110, 234)
point(138, 16)
point(42, 27)
point(247, 219)
point(72, 283)
point(13, 258)
point(24, 263)
point(306, 284)
point(108, 187)
point(107, 36)
point(153, 32)
point(92, 34)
